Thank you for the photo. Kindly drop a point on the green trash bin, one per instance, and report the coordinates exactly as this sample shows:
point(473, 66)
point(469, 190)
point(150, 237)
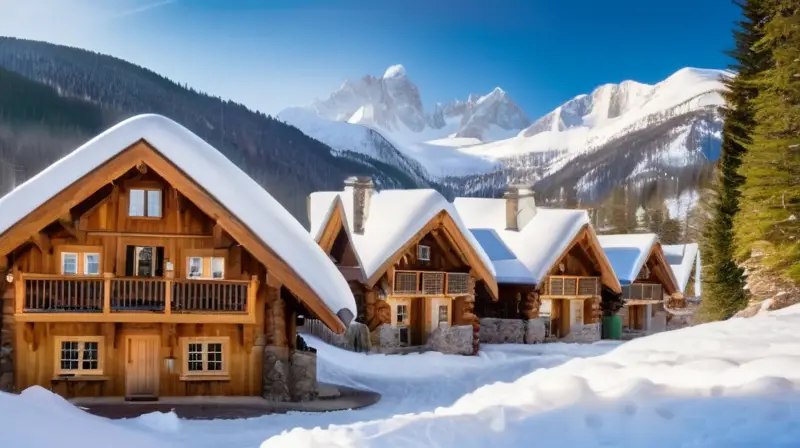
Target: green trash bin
point(612, 327)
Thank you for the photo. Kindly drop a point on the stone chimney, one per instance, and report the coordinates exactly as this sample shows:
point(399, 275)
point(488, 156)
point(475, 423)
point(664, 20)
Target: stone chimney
point(361, 188)
point(520, 206)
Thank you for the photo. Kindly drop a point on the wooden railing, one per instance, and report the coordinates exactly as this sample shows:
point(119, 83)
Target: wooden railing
point(642, 291)
point(571, 286)
point(430, 283)
point(109, 296)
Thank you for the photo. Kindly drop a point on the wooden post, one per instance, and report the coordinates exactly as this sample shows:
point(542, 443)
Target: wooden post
point(107, 292)
point(168, 296)
point(19, 291)
point(252, 293)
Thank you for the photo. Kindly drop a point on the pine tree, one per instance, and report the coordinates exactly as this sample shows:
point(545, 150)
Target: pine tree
point(723, 282)
point(770, 210)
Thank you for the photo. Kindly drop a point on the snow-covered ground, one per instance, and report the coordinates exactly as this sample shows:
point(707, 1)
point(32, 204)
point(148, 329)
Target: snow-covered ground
point(733, 383)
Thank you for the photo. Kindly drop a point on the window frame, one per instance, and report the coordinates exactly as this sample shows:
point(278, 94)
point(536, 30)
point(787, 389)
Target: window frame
point(81, 340)
point(77, 263)
point(86, 263)
point(206, 265)
point(146, 201)
point(205, 373)
point(406, 310)
point(423, 248)
point(189, 265)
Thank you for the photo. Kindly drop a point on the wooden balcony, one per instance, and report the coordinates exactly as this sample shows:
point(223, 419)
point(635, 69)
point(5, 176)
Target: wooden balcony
point(642, 293)
point(427, 283)
point(58, 298)
point(571, 287)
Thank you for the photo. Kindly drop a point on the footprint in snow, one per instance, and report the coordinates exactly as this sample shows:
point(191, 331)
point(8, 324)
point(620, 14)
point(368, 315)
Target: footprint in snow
point(630, 409)
point(664, 413)
point(594, 421)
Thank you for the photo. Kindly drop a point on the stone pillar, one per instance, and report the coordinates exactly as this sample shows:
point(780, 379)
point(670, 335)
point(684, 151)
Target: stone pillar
point(7, 339)
point(276, 373)
point(531, 305)
point(468, 316)
point(303, 373)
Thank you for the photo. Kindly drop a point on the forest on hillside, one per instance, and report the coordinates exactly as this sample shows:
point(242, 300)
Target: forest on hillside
point(751, 241)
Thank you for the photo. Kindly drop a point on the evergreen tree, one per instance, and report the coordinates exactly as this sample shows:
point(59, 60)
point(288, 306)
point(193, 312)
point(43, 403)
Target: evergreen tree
point(770, 209)
point(723, 282)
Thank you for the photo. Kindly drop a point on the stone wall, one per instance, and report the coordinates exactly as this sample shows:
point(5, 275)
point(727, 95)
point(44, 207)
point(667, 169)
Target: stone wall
point(6, 344)
point(456, 340)
point(385, 339)
point(502, 331)
point(289, 375)
point(588, 333)
point(356, 338)
point(534, 331)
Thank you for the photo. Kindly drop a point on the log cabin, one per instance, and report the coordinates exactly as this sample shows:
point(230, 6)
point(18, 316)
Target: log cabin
point(647, 280)
point(146, 264)
point(410, 261)
point(553, 278)
point(684, 259)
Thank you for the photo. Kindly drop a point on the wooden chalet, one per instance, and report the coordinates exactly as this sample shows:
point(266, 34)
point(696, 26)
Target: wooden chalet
point(146, 264)
point(684, 259)
point(548, 265)
point(411, 263)
point(646, 277)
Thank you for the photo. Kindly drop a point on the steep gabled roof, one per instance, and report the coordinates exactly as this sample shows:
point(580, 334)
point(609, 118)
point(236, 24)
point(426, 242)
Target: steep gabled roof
point(394, 218)
point(237, 198)
point(682, 258)
point(527, 255)
point(629, 252)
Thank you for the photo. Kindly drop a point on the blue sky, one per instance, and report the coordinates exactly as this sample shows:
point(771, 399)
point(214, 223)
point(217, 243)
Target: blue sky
point(271, 54)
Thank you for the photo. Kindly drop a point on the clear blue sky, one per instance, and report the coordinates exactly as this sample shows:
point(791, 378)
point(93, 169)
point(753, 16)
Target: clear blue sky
point(270, 54)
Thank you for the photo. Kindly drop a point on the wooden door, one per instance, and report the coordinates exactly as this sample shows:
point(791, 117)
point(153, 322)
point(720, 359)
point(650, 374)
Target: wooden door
point(142, 367)
point(418, 335)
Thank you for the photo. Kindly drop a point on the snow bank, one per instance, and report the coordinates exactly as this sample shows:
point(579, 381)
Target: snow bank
point(733, 383)
point(37, 418)
point(228, 184)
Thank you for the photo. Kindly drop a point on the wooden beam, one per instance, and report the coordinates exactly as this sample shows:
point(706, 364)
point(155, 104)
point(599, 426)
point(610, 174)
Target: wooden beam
point(446, 246)
point(42, 241)
point(221, 238)
point(148, 235)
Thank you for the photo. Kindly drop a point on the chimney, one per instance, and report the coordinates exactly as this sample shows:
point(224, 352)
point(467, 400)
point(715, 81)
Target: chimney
point(361, 186)
point(520, 206)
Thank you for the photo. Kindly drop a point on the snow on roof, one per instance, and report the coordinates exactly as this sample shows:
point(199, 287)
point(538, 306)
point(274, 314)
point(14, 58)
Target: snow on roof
point(394, 217)
point(627, 253)
point(223, 180)
point(682, 258)
point(533, 250)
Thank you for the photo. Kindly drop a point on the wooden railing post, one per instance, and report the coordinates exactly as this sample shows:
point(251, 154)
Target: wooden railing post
point(107, 292)
point(19, 292)
point(252, 293)
point(168, 296)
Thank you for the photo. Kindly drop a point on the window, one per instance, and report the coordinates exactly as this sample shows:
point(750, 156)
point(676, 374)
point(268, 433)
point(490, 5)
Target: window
point(205, 267)
point(144, 203)
point(205, 357)
point(404, 336)
point(424, 253)
point(443, 315)
point(402, 314)
point(195, 269)
point(79, 355)
point(91, 264)
point(69, 263)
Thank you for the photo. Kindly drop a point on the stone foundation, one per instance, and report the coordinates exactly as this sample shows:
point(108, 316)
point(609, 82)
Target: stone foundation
point(289, 375)
point(356, 338)
point(502, 331)
point(534, 331)
point(455, 340)
point(385, 339)
point(588, 333)
point(303, 374)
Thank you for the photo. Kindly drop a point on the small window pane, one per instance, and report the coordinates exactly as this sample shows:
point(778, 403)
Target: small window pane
point(442, 313)
point(69, 263)
point(195, 358)
point(402, 313)
point(154, 203)
point(217, 267)
point(195, 267)
point(215, 356)
point(69, 355)
point(90, 356)
point(92, 264)
point(136, 203)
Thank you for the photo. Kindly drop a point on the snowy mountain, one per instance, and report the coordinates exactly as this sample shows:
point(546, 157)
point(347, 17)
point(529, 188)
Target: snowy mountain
point(627, 133)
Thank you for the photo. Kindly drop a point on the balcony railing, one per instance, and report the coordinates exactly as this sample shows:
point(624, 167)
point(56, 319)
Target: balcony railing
point(134, 299)
point(424, 283)
point(571, 286)
point(642, 291)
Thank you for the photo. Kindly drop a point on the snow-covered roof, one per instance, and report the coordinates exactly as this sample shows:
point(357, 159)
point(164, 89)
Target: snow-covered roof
point(223, 180)
point(682, 258)
point(394, 217)
point(524, 256)
point(627, 253)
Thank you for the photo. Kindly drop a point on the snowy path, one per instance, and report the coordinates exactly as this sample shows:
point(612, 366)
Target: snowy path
point(408, 384)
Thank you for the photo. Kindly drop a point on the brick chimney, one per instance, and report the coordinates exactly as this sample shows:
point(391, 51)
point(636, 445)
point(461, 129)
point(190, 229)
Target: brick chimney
point(520, 206)
point(361, 187)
